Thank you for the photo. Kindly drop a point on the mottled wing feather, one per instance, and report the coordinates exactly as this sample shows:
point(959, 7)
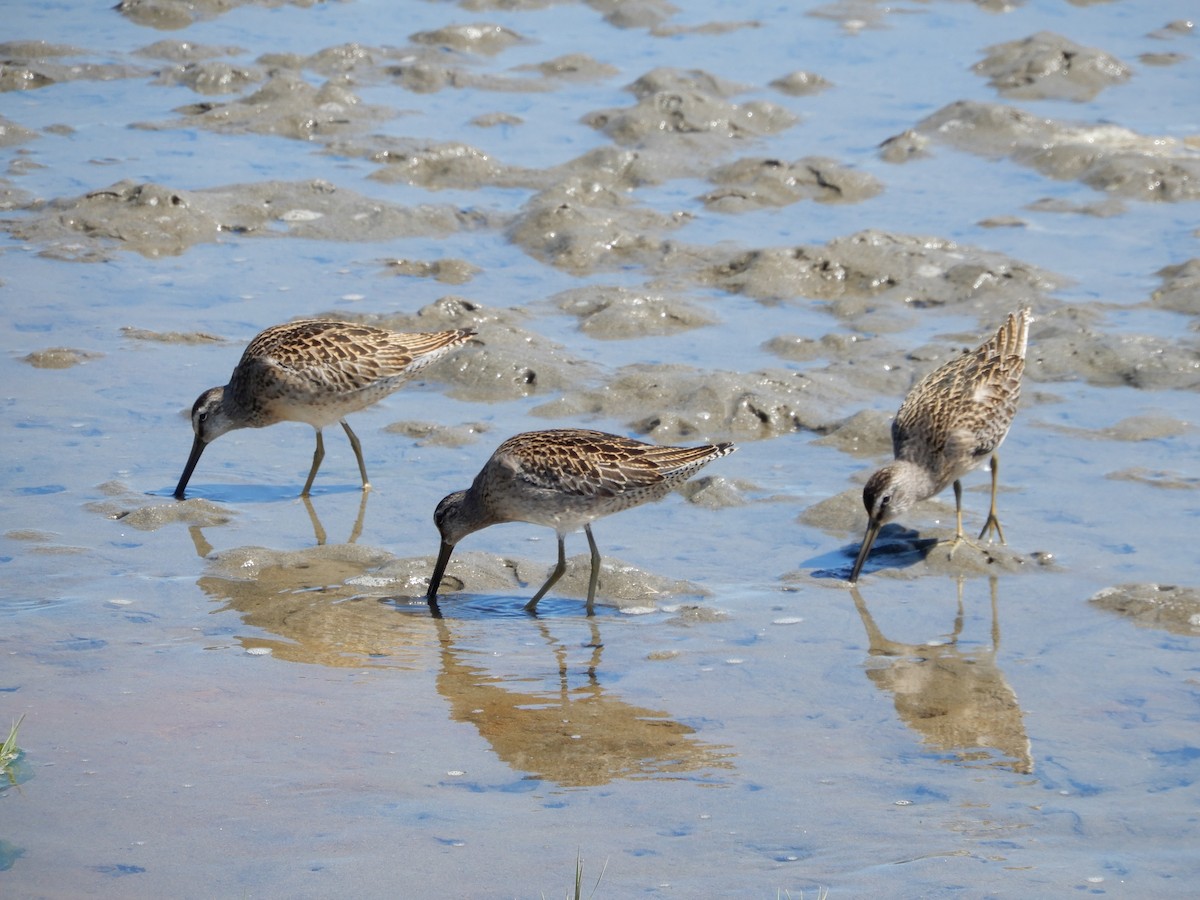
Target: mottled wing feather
point(344, 357)
point(253, 383)
point(964, 409)
point(585, 463)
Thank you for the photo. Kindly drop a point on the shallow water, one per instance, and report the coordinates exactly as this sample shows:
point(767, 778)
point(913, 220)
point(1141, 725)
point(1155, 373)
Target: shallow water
point(244, 694)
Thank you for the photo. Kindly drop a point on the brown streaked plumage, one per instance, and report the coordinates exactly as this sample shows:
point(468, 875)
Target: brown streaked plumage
point(563, 479)
point(313, 371)
point(953, 419)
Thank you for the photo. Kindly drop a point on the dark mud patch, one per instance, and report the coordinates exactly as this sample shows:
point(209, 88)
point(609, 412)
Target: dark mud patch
point(449, 165)
point(156, 220)
point(170, 337)
point(1180, 291)
point(756, 183)
point(60, 357)
point(183, 52)
point(579, 229)
point(688, 112)
point(622, 586)
point(446, 271)
point(12, 134)
point(1065, 347)
point(1149, 427)
point(211, 77)
point(1106, 157)
point(870, 269)
point(439, 434)
point(618, 313)
point(286, 105)
point(1101, 209)
point(1166, 607)
point(1048, 66)
point(30, 65)
point(573, 67)
point(261, 583)
point(504, 361)
point(170, 15)
point(1158, 478)
point(675, 403)
point(867, 434)
point(801, 84)
point(131, 507)
point(481, 38)
point(715, 492)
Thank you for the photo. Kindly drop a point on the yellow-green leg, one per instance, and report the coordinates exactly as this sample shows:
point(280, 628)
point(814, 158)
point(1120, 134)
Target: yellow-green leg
point(594, 581)
point(318, 455)
point(531, 606)
point(958, 531)
point(362, 466)
point(993, 522)
point(959, 537)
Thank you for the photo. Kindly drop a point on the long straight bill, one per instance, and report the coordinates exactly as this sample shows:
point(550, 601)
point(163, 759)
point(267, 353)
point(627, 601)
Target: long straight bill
point(439, 569)
point(197, 448)
point(868, 540)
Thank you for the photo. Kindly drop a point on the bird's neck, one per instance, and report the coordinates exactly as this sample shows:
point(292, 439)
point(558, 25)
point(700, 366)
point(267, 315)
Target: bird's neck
point(922, 482)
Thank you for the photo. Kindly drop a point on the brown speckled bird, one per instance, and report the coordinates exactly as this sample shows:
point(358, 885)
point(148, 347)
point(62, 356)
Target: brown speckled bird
point(563, 479)
point(313, 371)
point(953, 419)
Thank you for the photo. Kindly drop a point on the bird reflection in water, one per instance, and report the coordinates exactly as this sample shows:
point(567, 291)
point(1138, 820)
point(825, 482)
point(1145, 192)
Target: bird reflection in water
point(329, 604)
point(335, 605)
point(957, 700)
point(578, 735)
point(204, 548)
point(319, 531)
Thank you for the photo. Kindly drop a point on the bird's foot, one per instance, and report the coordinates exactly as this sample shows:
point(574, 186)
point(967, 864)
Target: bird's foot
point(992, 524)
point(960, 539)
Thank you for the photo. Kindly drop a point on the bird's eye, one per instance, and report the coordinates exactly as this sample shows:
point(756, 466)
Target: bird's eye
point(884, 501)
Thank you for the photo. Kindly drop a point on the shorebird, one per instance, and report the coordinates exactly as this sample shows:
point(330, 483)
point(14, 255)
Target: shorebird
point(313, 371)
point(563, 479)
point(947, 425)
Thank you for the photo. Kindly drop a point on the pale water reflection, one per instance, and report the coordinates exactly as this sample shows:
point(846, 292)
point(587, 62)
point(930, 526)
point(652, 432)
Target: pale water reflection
point(204, 548)
point(323, 605)
point(319, 529)
point(578, 732)
point(549, 717)
point(954, 697)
